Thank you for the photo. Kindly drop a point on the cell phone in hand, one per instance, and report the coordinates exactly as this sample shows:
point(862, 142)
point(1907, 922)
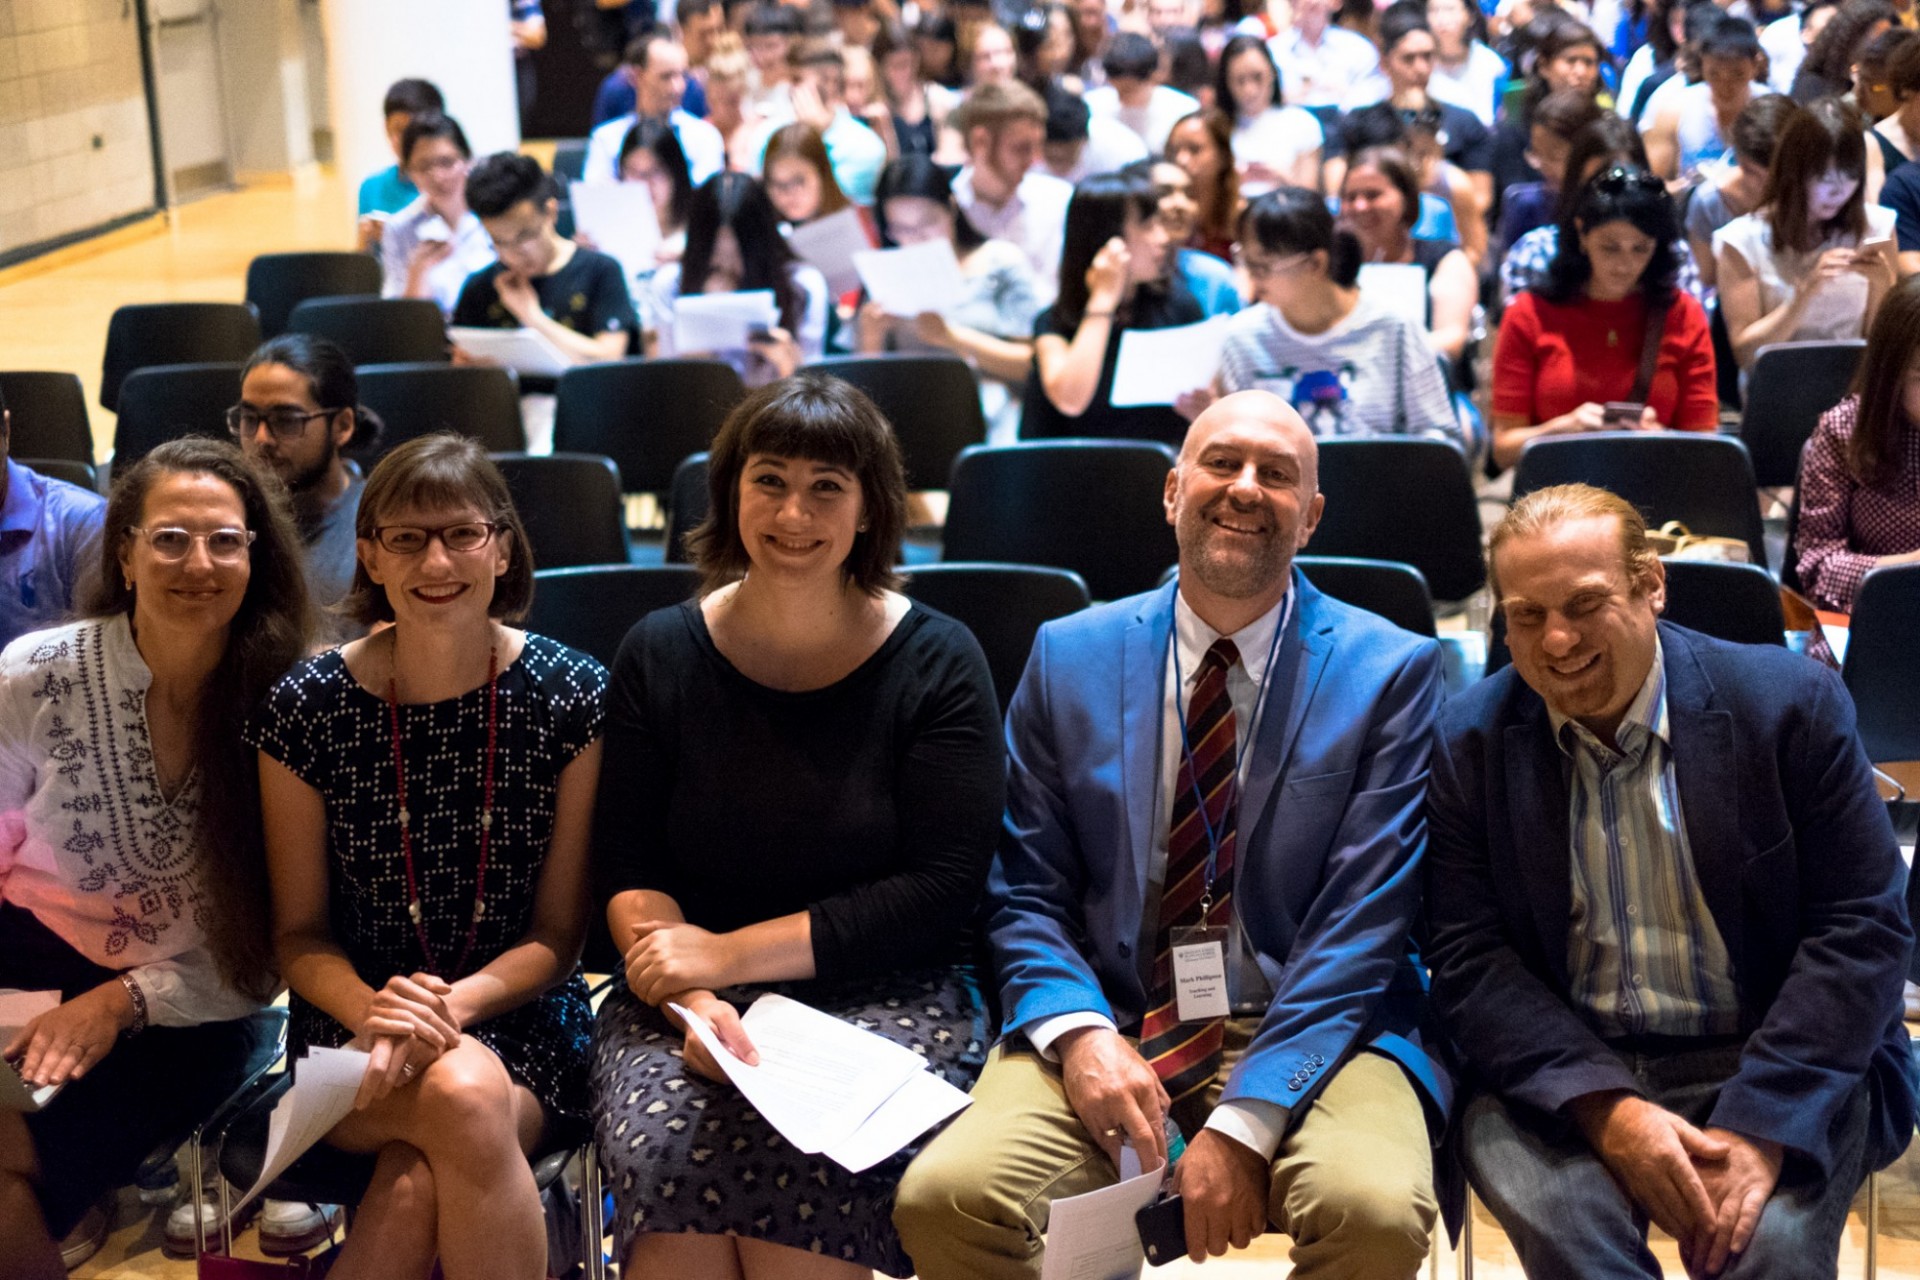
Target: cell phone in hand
point(1621, 415)
point(1163, 1230)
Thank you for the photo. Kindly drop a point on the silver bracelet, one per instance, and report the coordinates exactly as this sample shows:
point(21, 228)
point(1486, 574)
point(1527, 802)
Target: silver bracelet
point(139, 998)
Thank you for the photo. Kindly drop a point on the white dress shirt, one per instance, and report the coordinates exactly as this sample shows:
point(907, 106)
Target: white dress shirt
point(1151, 123)
point(705, 149)
point(1034, 217)
point(1321, 75)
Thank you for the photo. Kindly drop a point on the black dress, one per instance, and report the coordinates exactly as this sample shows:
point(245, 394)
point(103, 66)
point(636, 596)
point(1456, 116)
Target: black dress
point(337, 736)
point(873, 805)
point(1150, 309)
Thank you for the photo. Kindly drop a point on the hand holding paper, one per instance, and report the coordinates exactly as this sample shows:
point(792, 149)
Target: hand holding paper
point(1092, 1236)
point(1156, 366)
point(921, 277)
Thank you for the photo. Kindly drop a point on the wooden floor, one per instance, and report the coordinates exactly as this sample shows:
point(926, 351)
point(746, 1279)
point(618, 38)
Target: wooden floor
point(53, 315)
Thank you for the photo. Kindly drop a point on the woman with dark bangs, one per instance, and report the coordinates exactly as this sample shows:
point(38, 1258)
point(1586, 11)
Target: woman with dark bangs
point(804, 788)
point(1815, 259)
point(1607, 342)
point(734, 245)
point(1860, 473)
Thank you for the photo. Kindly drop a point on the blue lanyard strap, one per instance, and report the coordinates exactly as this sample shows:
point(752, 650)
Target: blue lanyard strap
point(1240, 747)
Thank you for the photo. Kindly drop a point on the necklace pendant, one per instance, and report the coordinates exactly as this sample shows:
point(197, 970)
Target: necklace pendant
point(486, 819)
point(479, 909)
point(1613, 337)
point(405, 818)
point(413, 910)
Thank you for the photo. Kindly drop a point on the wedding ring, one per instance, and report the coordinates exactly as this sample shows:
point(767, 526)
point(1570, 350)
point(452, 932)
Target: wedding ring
point(406, 1069)
point(1111, 1133)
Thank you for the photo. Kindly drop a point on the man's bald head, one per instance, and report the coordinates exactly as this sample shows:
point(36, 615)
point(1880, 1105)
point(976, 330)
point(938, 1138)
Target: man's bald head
point(1243, 499)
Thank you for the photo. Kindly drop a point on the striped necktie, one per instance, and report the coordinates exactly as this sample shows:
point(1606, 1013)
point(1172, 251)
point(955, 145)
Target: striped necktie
point(1186, 1056)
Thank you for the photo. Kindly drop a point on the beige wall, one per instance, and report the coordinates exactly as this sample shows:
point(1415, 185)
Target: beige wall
point(75, 148)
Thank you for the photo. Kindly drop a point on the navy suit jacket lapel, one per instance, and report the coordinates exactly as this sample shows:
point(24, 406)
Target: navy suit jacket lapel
point(1298, 666)
point(1537, 810)
point(1143, 677)
point(1704, 771)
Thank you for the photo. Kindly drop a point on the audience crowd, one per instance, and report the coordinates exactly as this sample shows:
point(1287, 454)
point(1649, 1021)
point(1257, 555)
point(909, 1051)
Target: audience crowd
point(1243, 880)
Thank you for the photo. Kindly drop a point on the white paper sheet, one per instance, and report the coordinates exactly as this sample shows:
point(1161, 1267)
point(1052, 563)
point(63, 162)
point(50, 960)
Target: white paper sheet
point(1400, 287)
point(1155, 366)
point(829, 243)
point(906, 282)
point(818, 1078)
point(525, 351)
point(324, 1085)
point(1093, 1237)
point(915, 1107)
point(721, 321)
point(621, 220)
point(17, 1009)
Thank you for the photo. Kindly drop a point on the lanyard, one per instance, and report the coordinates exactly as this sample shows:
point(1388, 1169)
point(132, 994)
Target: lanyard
point(1240, 748)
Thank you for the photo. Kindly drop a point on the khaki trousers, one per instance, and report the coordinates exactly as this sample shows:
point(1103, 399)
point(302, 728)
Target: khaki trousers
point(1352, 1182)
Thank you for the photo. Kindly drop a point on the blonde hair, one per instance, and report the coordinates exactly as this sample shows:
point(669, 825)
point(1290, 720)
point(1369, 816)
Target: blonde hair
point(1543, 509)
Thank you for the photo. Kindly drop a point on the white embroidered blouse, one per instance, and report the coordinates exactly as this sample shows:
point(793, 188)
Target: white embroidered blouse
point(88, 842)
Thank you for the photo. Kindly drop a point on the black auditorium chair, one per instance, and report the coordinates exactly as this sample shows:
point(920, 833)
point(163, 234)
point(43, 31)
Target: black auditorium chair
point(80, 473)
point(687, 504)
point(165, 402)
point(644, 414)
point(279, 282)
point(1003, 605)
point(932, 401)
point(151, 333)
point(49, 414)
point(1092, 506)
point(482, 401)
point(1882, 666)
point(571, 506)
point(1737, 602)
point(1791, 385)
point(376, 330)
point(592, 607)
point(569, 159)
point(1403, 499)
point(1703, 481)
point(1395, 591)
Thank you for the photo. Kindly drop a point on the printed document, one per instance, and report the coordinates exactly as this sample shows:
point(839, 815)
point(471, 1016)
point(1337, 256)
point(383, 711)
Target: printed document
point(525, 351)
point(323, 1090)
point(1093, 1237)
point(906, 282)
point(829, 244)
point(1156, 366)
point(620, 219)
point(721, 321)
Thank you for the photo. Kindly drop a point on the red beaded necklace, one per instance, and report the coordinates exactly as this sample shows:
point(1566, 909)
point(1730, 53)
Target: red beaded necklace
point(486, 821)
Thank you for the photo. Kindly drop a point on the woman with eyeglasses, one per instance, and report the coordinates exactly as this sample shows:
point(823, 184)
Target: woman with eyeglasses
point(299, 410)
point(1116, 273)
point(1607, 342)
point(132, 880)
point(1347, 363)
point(1273, 144)
point(1815, 259)
point(428, 792)
point(430, 247)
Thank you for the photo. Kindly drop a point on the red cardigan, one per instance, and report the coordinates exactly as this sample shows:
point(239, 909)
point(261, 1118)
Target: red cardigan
point(1552, 359)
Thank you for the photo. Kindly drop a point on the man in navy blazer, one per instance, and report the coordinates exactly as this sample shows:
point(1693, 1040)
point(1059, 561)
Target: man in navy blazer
point(1314, 1116)
point(1668, 934)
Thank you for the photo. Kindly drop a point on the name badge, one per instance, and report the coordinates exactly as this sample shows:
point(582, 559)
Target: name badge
point(1200, 973)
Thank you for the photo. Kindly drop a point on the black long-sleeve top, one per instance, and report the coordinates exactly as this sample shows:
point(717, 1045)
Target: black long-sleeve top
point(872, 804)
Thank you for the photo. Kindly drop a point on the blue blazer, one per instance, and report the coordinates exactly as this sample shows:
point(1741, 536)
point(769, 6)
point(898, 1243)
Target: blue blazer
point(1795, 856)
point(1331, 832)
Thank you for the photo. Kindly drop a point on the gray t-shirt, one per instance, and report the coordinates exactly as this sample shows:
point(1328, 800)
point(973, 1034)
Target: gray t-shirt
point(331, 557)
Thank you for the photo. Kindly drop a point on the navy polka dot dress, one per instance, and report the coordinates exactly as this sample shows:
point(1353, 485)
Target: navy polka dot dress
point(336, 735)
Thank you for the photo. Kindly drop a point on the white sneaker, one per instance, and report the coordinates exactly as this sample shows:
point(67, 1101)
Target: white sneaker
point(87, 1235)
point(177, 1241)
point(288, 1227)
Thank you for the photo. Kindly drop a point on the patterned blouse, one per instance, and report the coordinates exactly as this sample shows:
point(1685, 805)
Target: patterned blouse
point(88, 842)
point(1845, 526)
point(1525, 266)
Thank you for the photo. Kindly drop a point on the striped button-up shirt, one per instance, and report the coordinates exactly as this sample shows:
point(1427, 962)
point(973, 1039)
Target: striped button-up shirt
point(1644, 956)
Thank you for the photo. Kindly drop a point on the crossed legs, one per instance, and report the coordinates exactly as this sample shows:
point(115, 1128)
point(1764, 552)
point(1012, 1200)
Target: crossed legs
point(731, 1258)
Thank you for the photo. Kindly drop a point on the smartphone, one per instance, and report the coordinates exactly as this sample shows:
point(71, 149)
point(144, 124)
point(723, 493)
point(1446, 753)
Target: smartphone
point(1163, 1230)
point(1621, 415)
point(759, 333)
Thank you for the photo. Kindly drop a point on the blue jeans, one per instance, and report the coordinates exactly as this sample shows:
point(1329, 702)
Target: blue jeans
point(1567, 1216)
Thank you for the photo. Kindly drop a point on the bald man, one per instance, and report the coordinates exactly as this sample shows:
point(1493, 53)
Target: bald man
point(1200, 906)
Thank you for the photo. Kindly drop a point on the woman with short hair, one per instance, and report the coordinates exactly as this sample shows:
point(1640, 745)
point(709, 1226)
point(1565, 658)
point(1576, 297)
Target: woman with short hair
point(804, 786)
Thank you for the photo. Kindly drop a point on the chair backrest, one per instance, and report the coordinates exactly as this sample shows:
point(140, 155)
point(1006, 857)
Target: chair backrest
point(482, 401)
point(569, 159)
point(571, 506)
point(1791, 385)
point(1092, 506)
point(49, 412)
point(1393, 590)
point(687, 504)
point(151, 333)
point(80, 473)
point(1003, 605)
point(644, 414)
point(1882, 667)
point(278, 282)
point(1726, 366)
point(1402, 499)
point(933, 403)
point(376, 330)
point(1704, 481)
point(1737, 602)
point(165, 402)
point(593, 607)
